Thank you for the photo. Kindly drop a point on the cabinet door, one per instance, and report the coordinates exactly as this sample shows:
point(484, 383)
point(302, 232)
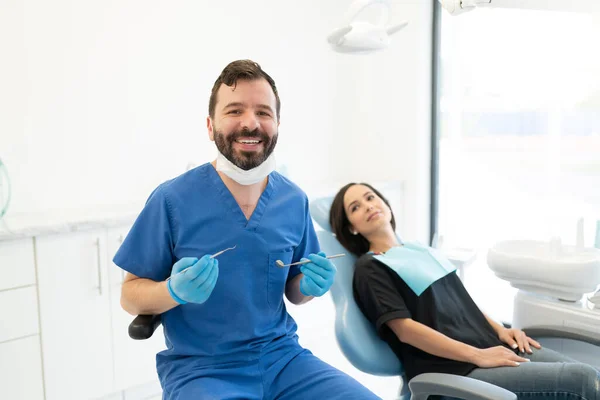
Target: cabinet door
point(75, 315)
point(19, 313)
point(17, 265)
point(21, 369)
point(134, 360)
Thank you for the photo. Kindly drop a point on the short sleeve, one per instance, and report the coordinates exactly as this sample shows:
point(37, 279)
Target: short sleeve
point(309, 243)
point(376, 294)
point(147, 251)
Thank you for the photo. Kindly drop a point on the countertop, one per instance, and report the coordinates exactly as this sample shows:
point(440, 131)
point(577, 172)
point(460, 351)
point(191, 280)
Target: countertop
point(16, 226)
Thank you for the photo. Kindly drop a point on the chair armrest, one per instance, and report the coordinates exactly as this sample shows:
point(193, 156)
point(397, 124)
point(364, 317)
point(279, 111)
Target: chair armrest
point(425, 385)
point(538, 333)
point(143, 326)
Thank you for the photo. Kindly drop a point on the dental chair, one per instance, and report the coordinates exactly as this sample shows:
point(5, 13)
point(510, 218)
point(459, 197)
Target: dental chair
point(360, 344)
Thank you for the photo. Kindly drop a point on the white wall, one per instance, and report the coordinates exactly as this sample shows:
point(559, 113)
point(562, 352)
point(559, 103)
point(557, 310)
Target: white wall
point(100, 101)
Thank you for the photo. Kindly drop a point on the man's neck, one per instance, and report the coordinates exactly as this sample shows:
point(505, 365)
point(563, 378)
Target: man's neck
point(245, 195)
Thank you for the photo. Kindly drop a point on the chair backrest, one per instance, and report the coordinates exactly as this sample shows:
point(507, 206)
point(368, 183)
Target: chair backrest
point(355, 335)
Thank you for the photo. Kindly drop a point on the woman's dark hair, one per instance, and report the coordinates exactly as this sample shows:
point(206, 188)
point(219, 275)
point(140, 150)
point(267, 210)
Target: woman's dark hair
point(356, 244)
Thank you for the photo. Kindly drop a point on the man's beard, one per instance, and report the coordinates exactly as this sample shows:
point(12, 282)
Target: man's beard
point(245, 160)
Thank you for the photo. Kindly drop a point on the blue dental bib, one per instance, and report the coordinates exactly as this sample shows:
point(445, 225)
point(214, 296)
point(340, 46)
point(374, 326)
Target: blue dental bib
point(419, 266)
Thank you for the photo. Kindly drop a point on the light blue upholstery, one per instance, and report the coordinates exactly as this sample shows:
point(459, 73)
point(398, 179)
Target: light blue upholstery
point(355, 334)
point(358, 339)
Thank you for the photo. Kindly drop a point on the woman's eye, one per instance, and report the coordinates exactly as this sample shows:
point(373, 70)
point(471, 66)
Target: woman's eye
point(370, 197)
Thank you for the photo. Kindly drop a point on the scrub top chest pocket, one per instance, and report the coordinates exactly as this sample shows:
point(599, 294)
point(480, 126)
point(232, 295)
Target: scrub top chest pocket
point(277, 277)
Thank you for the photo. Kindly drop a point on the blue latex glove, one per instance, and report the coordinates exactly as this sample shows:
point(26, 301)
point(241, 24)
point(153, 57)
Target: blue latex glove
point(318, 275)
point(196, 283)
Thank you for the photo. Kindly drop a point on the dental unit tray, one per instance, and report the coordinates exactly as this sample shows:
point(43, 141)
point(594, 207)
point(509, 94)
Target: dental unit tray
point(551, 304)
point(547, 268)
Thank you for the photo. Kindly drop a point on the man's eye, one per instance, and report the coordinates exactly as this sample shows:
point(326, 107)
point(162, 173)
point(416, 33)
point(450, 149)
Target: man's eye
point(234, 112)
point(264, 114)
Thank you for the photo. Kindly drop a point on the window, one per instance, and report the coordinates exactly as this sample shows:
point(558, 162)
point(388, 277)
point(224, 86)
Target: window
point(519, 144)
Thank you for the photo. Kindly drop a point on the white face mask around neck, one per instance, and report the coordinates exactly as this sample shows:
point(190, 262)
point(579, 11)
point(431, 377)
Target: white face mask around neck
point(243, 177)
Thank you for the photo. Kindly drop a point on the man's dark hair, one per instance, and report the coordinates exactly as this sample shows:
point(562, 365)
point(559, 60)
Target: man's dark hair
point(241, 70)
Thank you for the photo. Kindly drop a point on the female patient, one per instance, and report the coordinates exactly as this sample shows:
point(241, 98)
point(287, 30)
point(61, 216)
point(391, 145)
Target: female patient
point(421, 309)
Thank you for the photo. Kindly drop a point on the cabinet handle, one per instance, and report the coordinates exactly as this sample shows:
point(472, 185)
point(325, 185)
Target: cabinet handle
point(99, 266)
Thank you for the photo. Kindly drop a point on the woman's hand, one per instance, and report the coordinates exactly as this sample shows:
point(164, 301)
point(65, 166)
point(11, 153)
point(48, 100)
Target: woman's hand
point(517, 338)
point(498, 356)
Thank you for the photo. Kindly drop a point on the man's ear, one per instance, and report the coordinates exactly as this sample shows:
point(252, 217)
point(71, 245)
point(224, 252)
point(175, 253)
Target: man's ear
point(210, 128)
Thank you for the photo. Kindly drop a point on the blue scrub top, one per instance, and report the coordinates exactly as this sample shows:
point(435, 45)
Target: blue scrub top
point(195, 214)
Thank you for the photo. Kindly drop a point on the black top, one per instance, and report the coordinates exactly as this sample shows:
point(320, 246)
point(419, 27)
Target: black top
point(445, 306)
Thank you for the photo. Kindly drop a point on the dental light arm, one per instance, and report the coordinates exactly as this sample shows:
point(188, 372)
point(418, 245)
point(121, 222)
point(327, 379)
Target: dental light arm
point(338, 35)
point(457, 7)
point(359, 36)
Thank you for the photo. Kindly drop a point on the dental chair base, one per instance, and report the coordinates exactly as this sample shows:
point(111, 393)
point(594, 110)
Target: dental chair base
point(571, 328)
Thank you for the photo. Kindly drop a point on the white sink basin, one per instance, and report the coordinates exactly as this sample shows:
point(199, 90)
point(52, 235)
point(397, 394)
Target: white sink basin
point(549, 268)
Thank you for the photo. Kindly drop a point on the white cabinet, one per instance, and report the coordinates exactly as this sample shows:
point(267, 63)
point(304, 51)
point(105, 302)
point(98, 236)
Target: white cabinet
point(20, 356)
point(88, 353)
point(21, 369)
point(75, 315)
point(18, 308)
point(134, 360)
point(17, 265)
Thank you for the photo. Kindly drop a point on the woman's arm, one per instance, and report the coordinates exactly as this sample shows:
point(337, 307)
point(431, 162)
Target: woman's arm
point(433, 342)
point(513, 337)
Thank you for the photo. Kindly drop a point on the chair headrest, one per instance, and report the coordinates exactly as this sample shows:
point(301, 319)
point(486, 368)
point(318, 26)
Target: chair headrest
point(355, 335)
point(319, 210)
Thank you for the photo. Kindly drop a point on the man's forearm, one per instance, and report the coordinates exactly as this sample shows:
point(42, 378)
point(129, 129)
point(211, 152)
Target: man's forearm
point(431, 341)
point(293, 293)
point(145, 296)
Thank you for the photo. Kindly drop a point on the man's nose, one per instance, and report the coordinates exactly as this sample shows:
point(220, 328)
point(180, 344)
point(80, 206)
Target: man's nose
point(249, 121)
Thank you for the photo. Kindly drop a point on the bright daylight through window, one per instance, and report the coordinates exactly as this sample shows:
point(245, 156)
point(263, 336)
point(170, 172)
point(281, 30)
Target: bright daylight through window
point(519, 145)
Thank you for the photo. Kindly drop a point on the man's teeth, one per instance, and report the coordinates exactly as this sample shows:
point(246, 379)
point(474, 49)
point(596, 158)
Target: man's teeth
point(249, 141)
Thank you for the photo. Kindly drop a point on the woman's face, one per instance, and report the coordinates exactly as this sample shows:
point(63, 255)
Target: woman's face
point(366, 211)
